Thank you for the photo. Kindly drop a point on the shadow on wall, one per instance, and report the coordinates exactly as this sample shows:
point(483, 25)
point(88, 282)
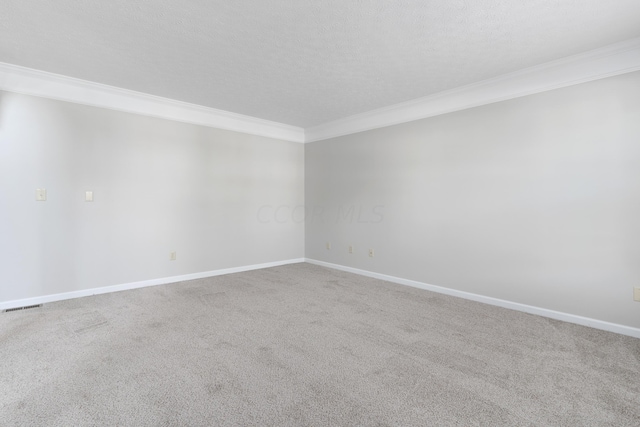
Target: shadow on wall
point(2, 97)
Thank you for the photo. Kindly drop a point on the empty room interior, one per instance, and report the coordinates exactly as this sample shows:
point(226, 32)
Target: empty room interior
point(297, 213)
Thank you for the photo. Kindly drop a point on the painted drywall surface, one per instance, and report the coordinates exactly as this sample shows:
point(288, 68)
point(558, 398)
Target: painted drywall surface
point(534, 200)
point(159, 186)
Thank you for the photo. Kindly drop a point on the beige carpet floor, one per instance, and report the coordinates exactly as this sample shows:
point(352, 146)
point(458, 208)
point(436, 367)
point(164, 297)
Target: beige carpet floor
point(303, 345)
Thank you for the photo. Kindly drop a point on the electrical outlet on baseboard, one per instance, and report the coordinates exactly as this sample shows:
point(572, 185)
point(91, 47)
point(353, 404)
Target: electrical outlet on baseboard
point(328, 245)
point(636, 293)
point(172, 256)
point(371, 253)
point(350, 249)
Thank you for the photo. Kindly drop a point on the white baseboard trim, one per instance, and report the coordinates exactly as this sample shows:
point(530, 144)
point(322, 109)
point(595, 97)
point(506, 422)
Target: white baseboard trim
point(142, 284)
point(557, 315)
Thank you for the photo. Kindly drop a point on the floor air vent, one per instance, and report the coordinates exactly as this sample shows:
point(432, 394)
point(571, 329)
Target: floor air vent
point(27, 307)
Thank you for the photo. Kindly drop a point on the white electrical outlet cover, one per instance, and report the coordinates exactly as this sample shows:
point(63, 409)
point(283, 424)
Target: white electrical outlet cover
point(41, 195)
point(88, 196)
point(636, 294)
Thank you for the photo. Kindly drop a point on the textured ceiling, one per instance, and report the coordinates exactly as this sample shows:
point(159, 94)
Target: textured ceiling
point(302, 62)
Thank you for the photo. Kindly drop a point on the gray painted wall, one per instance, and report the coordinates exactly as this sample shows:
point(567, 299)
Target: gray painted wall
point(534, 200)
point(159, 186)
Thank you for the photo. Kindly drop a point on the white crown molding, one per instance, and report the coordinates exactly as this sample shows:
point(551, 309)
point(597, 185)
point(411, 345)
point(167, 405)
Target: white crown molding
point(143, 284)
point(608, 61)
point(28, 81)
point(552, 314)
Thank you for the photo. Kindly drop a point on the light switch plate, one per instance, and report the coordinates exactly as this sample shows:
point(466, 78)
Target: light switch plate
point(41, 195)
point(88, 196)
point(636, 293)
